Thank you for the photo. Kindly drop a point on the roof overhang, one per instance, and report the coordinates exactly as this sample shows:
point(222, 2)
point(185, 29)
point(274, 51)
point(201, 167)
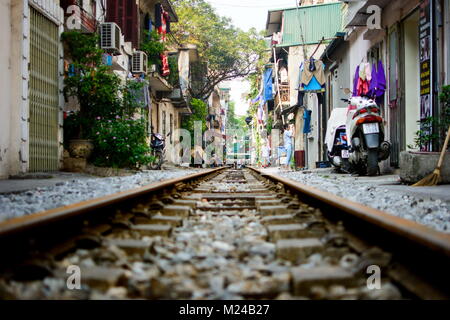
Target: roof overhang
point(340, 38)
point(169, 8)
point(274, 21)
point(158, 83)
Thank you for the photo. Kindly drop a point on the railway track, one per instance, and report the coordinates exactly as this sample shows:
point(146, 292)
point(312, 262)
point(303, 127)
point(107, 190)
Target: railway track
point(221, 234)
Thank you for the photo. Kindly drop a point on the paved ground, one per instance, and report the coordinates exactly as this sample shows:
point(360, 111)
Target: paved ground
point(40, 180)
point(389, 182)
point(425, 205)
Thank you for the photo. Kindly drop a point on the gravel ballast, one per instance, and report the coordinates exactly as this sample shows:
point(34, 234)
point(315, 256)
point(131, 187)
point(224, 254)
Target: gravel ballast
point(429, 211)
point(73, 191)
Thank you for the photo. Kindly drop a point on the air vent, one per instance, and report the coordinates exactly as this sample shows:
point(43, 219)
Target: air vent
point(139, 62)
point(110, 37)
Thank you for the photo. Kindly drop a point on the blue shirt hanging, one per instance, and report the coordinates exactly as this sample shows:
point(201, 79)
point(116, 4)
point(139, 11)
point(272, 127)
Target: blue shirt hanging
point(307, 121)
point(268, 92)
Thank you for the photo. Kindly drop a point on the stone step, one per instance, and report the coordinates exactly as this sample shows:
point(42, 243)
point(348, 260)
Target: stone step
point(277, 220)
point(304, 279)
point(153, 230)
point(295, 250)
point(173, 221)
point(287, 231)
point(273, 210)
point(130, 246)
point(174, 210)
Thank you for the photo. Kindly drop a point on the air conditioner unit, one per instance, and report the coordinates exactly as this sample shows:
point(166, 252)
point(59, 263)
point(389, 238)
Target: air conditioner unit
point(152, 68)
point(110, 34)
point(139, 62)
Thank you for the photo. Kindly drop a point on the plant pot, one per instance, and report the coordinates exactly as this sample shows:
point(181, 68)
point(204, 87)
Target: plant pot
point(80, 148)
point(415, 166)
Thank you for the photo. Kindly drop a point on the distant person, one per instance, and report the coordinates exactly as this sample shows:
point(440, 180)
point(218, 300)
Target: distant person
point(265, 153)
point(288, 144)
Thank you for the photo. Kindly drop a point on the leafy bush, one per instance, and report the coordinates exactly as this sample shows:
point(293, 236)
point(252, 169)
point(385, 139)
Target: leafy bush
point(153, 47)
point(174, 77)
point(121, 143)
point(434, 129)
point(108, 108)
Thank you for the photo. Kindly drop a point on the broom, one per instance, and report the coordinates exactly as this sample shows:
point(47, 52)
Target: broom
point(434, 178)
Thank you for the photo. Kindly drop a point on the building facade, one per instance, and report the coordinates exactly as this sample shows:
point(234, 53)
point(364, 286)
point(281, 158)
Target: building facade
point(31, 78)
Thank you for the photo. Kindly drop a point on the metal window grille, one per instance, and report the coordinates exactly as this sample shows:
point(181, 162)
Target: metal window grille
point(43, 93)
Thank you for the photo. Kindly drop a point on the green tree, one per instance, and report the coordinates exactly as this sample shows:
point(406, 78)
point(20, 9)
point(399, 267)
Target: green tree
point(199, 113)
point(228, 51)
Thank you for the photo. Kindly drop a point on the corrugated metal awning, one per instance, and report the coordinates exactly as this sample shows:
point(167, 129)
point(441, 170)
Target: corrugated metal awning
point(310, 24)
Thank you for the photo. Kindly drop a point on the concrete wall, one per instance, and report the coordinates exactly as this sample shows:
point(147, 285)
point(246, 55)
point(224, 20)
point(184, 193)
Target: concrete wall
point(14, 77)
point(5, 84)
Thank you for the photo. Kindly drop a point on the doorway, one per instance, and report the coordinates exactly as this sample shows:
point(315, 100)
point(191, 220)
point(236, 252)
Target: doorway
point(411, 83)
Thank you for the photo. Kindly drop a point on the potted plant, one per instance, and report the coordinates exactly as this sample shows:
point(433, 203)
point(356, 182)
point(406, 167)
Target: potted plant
point(92, 85)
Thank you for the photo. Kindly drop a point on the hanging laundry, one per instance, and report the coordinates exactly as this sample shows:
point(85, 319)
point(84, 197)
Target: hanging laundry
point(362, 71)
point(307, 121)
point(162, 21)
point(377, 86)
point(165, 65)
point(361, 81)
point(355, 82)
point(307, 83)
point(284, 75)
point(363, 87)
point(167, 20)
point(268, 90)
point(368, 71)
point(158, 15)
point(312, 69)
point(107, 59)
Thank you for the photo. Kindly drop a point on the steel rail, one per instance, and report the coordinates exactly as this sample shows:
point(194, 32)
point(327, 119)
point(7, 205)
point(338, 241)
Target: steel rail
point(422, 254)
point(24, 223)
point(411, 230)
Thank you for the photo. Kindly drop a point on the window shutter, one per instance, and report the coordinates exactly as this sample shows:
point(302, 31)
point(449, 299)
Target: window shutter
point(131, 29)
point(112, 13)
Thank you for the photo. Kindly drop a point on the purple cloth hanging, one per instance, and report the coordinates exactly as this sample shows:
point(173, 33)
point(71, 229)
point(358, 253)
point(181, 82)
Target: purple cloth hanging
point(374, 83)
point(355, 82)
point(381, 79)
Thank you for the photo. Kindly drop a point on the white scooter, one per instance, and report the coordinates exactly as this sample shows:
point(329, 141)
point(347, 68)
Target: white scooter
point(365, 132)
point(355, 137)
point(336, 140)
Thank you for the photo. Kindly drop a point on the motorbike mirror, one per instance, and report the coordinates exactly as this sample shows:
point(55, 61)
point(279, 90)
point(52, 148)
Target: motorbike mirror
point(347, 90)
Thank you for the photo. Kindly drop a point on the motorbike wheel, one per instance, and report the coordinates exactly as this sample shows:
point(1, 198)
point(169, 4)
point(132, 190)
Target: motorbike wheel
point(372, 163)
point(157, 163)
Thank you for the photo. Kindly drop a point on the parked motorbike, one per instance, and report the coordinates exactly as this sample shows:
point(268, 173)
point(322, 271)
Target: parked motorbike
point(336, 140)
point(362, 146)
point(158, 146)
